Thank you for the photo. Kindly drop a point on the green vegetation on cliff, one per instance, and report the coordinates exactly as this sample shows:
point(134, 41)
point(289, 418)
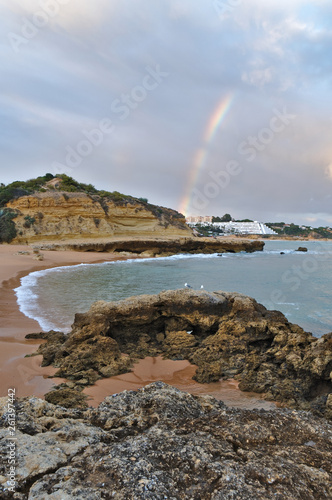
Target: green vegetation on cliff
point(65, 183)
point(61, 182)
point(21, 188)
point(300, 231)
point(7, 226)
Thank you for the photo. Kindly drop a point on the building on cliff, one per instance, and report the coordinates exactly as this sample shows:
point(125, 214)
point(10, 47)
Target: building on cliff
point(231, 227)
point(199, 219)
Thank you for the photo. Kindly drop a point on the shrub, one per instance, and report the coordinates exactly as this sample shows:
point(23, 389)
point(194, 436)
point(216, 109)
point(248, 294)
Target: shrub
point(7, 226)
point(8, 193)
point(29, 221)
point(69, 184)
point(22, 188)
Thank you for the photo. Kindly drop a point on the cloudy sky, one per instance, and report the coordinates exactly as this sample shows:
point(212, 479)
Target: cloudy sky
point(203, 106)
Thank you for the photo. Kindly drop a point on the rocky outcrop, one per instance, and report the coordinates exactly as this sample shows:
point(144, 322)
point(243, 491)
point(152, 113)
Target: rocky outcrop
point(84, 222)
point(227, 335)
point(159, 443)
point(57, 215)
point(152, 247)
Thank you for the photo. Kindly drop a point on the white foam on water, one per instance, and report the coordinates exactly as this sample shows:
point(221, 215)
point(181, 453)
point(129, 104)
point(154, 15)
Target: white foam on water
point(29, 299)
point(27, 293)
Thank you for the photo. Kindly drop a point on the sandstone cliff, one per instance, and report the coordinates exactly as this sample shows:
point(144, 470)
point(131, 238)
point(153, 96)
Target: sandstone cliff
point(225, 334)
point(57, 215)
point(60, 213)
point(161, 443)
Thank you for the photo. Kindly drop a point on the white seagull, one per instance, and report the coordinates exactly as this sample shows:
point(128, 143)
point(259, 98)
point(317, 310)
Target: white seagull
point(187, 286)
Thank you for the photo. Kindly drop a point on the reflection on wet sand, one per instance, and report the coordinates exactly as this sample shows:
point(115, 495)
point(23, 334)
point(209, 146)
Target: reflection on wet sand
point(178, 374)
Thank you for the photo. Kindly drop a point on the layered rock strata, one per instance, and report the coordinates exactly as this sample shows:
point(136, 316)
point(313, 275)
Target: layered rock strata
point(79, 221)
point(227, 335)
point(65, 216)
point(159, 443)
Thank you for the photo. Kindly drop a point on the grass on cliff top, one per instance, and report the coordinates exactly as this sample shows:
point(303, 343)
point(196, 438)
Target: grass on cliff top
point(63, 182)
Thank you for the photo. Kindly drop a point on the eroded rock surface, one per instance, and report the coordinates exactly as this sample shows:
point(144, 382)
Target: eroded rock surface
point(57, 215)
point(144, 245)
point(159, 442)
point(225, 334)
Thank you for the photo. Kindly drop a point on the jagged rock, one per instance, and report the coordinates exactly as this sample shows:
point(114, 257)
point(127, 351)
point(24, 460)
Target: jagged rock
point(302, 249)
point(67, 397)
point(159, 442)
point(231, 335)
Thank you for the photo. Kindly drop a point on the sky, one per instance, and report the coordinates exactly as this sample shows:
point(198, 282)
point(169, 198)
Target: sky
point(207, 107)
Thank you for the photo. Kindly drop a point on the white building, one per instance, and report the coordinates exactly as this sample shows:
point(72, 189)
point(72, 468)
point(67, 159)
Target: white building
point(237, 227)
point(199, 219)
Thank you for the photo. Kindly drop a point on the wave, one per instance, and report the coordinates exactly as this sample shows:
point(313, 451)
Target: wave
point(27, 298)
point(30, 296)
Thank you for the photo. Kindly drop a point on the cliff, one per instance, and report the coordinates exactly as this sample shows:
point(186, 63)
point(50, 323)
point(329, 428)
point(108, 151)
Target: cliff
point(59, 215)
point(227, 335)
point(159, 442)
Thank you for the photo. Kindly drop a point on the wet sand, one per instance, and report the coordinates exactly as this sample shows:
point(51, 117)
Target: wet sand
point(176, 373)
point(16, 371)
point(29, 378)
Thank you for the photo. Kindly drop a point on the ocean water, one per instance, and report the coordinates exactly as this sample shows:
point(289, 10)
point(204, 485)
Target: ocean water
point(298, 284)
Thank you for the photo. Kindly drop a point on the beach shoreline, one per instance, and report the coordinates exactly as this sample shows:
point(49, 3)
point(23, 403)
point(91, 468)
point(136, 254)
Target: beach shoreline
point(25, 374)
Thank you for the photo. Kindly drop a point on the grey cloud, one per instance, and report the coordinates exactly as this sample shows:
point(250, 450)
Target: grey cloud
point(270, 55)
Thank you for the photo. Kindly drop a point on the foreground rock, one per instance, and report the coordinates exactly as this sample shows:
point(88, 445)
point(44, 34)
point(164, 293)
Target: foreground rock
point(225, 334)
point(159, 443)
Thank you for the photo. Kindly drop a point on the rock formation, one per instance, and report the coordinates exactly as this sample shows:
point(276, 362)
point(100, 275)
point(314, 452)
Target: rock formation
point(151, 247)
point(159, 442)
point(57, 215)
point(227, 335)
point(60, 213)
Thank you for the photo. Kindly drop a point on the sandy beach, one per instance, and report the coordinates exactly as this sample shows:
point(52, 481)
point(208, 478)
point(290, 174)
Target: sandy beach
point(27, 376)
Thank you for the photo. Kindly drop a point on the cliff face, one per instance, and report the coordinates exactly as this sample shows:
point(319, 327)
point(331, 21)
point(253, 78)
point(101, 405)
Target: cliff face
point(65, 216)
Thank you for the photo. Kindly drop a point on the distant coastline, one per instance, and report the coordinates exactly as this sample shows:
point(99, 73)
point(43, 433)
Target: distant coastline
point(276, 237)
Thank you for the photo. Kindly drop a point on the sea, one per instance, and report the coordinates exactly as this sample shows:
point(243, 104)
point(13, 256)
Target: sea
point(299, 284)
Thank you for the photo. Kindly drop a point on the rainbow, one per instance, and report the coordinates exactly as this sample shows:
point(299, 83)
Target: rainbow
point(200, 157)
